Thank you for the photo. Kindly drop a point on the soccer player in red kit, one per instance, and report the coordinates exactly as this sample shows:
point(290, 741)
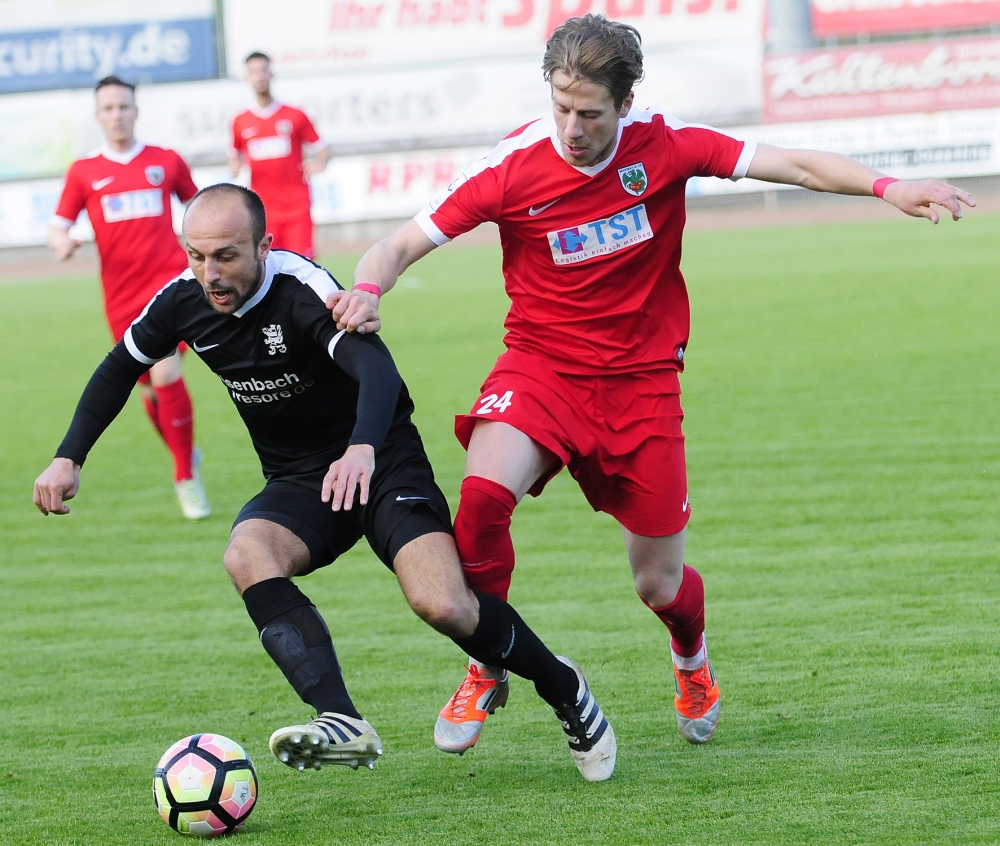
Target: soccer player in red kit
point(283, 150)
point(590, 206)
point(125, 186)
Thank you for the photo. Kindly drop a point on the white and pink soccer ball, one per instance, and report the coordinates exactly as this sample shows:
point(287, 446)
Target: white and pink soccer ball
point(205, 785)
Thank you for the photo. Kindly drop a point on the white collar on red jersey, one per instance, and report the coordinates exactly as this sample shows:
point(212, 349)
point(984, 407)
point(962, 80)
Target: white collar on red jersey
point(121, 158)
point(593, 170)
point(264, 114)
point(269, 267)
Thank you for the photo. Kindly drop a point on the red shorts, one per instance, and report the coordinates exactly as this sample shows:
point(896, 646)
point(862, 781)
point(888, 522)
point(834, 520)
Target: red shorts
point(293, 232)
point(619, 435)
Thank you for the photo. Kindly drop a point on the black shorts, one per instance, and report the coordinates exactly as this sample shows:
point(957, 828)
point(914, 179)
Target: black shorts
point(404, 503)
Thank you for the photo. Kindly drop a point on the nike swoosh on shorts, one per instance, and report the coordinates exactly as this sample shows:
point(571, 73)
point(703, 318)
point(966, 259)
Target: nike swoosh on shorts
point(198, 349)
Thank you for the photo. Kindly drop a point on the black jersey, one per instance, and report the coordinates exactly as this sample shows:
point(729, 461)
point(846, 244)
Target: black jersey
point(297, 381)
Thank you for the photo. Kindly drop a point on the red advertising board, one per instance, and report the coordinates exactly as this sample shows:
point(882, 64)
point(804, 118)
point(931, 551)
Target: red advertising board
point(882, 79)
point(876, 17)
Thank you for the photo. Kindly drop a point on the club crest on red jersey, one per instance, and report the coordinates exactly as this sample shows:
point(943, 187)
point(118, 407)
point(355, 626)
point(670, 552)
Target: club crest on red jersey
point(155, 175)
point(283, 127)
point(634, 179)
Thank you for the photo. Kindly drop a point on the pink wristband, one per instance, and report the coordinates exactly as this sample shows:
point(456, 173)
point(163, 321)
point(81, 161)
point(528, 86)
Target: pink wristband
point(368, 288)
point(878, 188)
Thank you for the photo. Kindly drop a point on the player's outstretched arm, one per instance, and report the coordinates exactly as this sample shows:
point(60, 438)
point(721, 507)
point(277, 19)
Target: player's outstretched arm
point(59, 482)
point(379, 268)
point(61, 243)
point(835, 174)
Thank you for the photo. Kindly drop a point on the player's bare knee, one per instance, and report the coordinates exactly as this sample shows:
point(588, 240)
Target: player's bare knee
point(453, 613)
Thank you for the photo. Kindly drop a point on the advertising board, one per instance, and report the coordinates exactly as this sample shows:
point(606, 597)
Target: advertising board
point(324, 35)
point(879, 17)
point(52, 44)
point(431, 106)
point(945, 145)
point(882, 79)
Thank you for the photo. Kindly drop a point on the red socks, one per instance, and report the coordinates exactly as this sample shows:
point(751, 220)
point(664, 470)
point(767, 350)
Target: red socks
point(175, 423)
point(482, 533)
point(685, 616)
point(152, 412)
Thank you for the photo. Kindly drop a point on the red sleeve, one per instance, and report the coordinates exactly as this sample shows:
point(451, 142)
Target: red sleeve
point(307, 131)
point(184, 186)
point(238, 143)
point(73, 197)
point(705, 151)
point(475, 197)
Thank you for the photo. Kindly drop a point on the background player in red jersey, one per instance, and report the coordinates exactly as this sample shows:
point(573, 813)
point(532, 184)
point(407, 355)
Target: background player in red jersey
point(283, 151)
point(590, 205)
point(125, 186)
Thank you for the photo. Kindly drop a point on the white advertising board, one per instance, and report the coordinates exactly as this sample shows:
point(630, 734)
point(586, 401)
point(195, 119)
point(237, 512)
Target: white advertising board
point(397, 185)
point(323, 35)
point(41, 133)
point(945, 145)
point(45, 14)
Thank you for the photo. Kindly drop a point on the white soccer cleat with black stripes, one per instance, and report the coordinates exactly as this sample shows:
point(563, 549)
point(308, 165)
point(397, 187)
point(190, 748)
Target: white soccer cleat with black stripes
point(591, 739)
point(329, 739)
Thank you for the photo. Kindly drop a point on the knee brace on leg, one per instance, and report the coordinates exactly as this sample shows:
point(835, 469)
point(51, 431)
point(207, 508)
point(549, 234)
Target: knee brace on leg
point(482, 534)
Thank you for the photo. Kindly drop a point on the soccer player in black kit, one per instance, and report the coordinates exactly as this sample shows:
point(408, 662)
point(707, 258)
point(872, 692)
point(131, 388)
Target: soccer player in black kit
point(329, 417)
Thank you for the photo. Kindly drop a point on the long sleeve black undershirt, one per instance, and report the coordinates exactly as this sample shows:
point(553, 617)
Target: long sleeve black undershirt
point(104, 397)
point(369, 364)
point(372, 367)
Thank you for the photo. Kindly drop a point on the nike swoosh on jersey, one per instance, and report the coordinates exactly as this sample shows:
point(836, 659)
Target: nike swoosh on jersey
point(98, 184)
point(533, 211)
point(249, 132)
point(198, 349)
point(406, 498)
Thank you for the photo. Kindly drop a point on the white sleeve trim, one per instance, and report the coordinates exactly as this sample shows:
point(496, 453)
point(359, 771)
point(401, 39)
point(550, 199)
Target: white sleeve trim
point(61, 222)
point(134, 350)
point(743, 163)
point(334, 341)
point(429, 227)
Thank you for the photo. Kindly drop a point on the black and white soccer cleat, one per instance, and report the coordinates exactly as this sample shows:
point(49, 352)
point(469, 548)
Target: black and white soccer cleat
point(329, 739)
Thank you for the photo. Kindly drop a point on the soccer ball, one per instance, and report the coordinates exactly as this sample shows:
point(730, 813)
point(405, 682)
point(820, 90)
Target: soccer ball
point(205, 785)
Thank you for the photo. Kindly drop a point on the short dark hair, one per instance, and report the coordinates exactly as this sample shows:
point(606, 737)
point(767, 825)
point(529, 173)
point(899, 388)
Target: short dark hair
point(594, 48)
point(256, 54)
point(114, 80)
point(251, 202)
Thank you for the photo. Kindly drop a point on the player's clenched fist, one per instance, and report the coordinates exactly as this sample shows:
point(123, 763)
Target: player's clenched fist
point(59, 482)
point(352, 471)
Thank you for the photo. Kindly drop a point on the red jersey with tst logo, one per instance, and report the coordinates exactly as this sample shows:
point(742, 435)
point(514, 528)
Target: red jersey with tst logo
point(591, 255)
point(271, 140)
point(127, 198)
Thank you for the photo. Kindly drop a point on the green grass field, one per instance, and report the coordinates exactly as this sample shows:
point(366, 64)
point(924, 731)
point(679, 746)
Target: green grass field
point(842, 399)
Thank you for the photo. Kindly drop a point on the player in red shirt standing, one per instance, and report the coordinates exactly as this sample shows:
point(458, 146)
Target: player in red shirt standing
point(283, 151)
point(590, 205)
point(125, 186)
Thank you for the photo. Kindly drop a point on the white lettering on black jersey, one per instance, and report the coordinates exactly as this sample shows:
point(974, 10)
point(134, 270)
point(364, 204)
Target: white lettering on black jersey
point(274, 356)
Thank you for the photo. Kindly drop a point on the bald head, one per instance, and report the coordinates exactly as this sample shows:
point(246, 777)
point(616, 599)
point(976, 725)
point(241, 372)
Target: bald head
point(224, 232)
point(223, 197)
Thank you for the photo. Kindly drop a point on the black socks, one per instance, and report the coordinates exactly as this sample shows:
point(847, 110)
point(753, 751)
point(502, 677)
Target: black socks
point(503, 639)
point(298, 641)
